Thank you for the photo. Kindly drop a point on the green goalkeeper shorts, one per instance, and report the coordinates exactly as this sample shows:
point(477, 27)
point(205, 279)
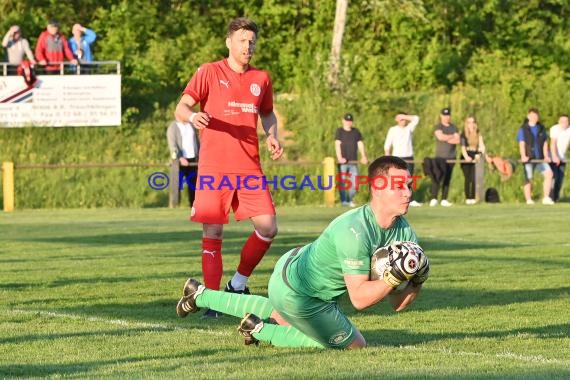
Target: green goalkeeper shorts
point(321, 320)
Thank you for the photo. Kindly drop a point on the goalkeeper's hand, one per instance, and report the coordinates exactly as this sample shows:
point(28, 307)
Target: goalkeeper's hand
point(423, 271)
point(393, 277)
point(398, 268)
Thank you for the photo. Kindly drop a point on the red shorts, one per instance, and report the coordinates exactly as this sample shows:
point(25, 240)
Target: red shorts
point(216, 193)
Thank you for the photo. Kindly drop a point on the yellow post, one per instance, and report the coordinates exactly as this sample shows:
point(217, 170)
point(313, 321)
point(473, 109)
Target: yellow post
point(8, 185)
point(329, 172)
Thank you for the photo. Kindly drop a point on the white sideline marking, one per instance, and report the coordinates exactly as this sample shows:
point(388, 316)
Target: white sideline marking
point(508, 355)
point(116, 322)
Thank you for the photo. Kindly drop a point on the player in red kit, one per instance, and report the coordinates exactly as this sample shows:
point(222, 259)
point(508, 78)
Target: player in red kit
point(232, 95)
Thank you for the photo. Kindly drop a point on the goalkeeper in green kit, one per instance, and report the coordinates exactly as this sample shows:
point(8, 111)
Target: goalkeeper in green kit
point(301, 310)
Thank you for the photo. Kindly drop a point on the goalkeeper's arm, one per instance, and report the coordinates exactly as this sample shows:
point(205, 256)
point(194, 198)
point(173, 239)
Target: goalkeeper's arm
point(401, 300)
point(363, 292)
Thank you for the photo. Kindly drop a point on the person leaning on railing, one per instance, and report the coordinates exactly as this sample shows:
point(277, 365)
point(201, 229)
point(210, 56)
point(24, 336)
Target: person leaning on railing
point(52, 47)
point(80, 46)
point(472, 148)
point(533, 145)
point(17, 47)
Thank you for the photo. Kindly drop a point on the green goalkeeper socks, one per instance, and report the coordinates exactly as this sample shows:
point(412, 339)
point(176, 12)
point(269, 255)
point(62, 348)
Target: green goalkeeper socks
point(285, 336)
point(239, 305)
point(234, 304)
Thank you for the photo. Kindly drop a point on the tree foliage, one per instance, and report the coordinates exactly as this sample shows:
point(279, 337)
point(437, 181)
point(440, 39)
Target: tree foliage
point(390, 45)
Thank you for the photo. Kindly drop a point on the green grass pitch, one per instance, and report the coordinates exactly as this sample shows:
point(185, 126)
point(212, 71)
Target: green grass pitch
point(92, 293)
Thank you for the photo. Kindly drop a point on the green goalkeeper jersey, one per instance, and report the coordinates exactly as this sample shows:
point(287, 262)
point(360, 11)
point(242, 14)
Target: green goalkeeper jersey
point(344, 247)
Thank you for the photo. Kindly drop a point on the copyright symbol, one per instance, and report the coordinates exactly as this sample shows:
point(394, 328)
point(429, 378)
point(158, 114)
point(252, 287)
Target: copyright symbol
point(158, 181)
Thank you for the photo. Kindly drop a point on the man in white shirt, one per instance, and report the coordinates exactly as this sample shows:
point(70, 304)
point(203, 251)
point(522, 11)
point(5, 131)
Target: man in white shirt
point(559, 142)
point(399, 141)
point(183, 144)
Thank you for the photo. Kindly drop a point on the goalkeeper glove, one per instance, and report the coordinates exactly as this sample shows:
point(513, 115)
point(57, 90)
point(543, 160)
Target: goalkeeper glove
point(423, 271)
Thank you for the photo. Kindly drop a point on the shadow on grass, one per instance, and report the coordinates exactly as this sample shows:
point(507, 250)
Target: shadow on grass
point(83, 334)
point(162, 311)
point(395, 338)
point(429, 244)
point(286, 240)
point(439, 299)
point(85, 367)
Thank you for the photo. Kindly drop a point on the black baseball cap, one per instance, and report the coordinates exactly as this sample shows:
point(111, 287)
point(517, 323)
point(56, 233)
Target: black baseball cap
point(53, 22)
point(446, 111)
point(348, 117)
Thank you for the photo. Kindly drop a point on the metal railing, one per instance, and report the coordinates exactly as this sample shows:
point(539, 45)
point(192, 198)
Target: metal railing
point(67, 68)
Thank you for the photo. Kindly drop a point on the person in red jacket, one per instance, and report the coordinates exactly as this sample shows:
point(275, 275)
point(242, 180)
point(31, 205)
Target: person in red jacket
point(52, 48)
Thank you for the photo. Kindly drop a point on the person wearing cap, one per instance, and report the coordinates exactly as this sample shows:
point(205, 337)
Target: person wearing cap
point(446, 138)
point(52, 49)
point(348, 142)
point(17, 47)
point(399, 141)
point(535, 154)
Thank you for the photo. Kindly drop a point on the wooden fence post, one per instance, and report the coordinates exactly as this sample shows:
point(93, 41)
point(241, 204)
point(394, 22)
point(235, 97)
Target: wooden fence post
point(329, 172)
point(174, 193)
point(8, 185)
point(480, 179)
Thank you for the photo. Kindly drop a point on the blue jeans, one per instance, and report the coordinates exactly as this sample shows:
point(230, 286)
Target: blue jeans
point(346, 196)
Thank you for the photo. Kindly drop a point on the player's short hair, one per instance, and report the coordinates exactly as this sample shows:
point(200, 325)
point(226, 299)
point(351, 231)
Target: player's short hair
point(242, 23)
point(381, 165)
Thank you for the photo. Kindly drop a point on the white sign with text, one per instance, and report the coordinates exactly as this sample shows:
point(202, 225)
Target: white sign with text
point(61, 101)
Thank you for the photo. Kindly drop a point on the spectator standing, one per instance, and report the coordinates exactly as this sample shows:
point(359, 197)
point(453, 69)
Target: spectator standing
point(232, 95)
point(348, 142)
point(17, 48)
point(447, 137)
point(472, 148)
point(183, 143)
point(399, 141)
point(559, 142)
point(80, 45)
point(533, 146)
point(52, 48)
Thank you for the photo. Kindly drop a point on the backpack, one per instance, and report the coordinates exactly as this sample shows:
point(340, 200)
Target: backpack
point(492, 195)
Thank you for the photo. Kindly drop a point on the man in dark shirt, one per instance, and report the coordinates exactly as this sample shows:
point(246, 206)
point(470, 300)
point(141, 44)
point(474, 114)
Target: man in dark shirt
point(446, 138)
point(348, 142)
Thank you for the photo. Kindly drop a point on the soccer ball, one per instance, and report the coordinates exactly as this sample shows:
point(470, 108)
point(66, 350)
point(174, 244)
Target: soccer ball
point(404, 255)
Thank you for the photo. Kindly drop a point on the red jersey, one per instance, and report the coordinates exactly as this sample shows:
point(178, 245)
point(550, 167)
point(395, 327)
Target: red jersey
point(234, 101)
point(52, 48)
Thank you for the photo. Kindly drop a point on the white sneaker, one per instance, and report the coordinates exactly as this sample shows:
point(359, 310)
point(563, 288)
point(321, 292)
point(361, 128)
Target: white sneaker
point(415, 204)
point(547, 201)
point(445, 203)
point(351, 204)
point(470, 201)
point(529, 202)
point(433, 203)
point(344, 204)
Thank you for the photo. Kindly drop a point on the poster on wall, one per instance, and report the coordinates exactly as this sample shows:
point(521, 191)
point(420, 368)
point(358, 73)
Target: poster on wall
point(60, 101)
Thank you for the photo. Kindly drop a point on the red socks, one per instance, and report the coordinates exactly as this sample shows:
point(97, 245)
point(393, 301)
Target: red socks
point(212, 266)
point(252, 252)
